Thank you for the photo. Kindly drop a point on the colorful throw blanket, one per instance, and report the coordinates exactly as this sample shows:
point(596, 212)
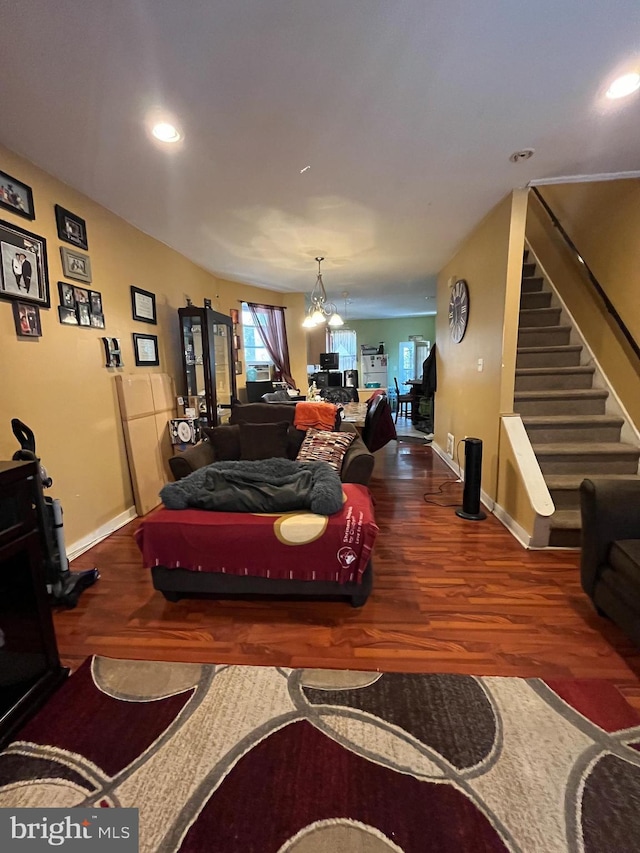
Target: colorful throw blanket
point(266, 485)
point(316, 415)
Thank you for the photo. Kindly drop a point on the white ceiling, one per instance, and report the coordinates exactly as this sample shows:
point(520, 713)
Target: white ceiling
point(406, 112)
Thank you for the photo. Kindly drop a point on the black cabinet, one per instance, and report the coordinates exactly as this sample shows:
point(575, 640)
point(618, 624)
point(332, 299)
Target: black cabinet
point(207, 358)
point(30, 667)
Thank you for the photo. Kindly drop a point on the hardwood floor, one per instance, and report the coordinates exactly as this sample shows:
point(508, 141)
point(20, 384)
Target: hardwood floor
point(449, 596)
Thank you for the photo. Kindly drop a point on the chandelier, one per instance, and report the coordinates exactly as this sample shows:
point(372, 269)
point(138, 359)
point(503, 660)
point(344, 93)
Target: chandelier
point(320, 311)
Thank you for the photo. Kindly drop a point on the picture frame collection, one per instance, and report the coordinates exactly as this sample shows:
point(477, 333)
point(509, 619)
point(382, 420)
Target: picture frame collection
point(24, 277)
point(80, 306)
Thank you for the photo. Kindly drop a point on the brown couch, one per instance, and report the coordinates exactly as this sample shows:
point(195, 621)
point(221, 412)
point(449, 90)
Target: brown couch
point(357, 464)
point(610, 560)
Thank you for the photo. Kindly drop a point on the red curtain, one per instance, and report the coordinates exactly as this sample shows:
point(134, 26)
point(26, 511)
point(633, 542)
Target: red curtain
point(269, 321)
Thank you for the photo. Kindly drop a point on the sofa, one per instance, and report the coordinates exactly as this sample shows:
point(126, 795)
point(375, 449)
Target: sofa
point(610, 558)
point(193, 552)
point(357, 464)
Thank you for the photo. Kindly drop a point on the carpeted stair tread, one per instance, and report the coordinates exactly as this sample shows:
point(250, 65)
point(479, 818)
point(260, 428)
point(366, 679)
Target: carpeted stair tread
point(539, 312)
point(532, 284)
point(573, 481)
point(532, 329)
point(535, 299)
point(586, 448)
point(572, 393)
point(568, 519)
point(552, 371)
point(539, 317)
point(551, 349)
point(575, 419)
point(578, 420)
point(553, 355)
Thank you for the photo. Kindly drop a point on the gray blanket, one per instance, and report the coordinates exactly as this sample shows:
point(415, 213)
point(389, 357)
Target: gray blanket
point(268, 485)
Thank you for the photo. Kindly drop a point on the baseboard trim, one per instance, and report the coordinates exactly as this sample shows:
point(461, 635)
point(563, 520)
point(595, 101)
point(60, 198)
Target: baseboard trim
point(515, 529)
point(82, 545)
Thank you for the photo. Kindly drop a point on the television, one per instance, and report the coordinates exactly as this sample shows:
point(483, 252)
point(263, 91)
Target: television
point(329, 361)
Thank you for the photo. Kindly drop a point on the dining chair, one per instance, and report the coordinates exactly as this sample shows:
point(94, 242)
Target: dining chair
point(404, 402)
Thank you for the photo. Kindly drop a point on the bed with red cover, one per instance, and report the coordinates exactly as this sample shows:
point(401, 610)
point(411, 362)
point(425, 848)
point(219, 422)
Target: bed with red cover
point(193, 551)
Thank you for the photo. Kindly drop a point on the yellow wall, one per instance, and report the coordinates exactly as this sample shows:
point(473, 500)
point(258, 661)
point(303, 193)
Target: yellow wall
point(58, 384)
point(469, 402)
point(603, 220)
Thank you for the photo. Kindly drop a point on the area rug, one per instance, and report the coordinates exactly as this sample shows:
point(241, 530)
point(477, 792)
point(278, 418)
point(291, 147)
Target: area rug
point(237, 759)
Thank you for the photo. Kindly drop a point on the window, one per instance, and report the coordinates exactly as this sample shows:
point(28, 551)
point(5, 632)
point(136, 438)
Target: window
point(406, 363)
point(343, 341)
point(254, 349)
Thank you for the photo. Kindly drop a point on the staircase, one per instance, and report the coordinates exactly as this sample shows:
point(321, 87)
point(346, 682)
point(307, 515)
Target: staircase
point(563, 413)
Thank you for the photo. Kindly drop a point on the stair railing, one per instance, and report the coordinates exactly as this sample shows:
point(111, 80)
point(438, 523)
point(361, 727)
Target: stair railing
point(594, 281)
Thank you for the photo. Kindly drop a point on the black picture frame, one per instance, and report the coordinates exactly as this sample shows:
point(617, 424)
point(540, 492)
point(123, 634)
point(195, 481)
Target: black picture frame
point(71, 228)
point(67, 316)
point(67, 294)
point(16, 243)
point(145, 350)
point(84, 313)
point(95, 301)
point(143, 305)
point(81, 295)
point(16, 196)
point(26, 316)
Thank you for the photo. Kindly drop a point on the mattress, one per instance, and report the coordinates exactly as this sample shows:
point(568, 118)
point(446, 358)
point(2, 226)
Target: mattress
point(289, 546)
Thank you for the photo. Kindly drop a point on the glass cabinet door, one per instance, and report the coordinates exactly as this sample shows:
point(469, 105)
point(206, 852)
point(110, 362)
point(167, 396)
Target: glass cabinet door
point(192, 337)
point(208, 362)
point(224, 369)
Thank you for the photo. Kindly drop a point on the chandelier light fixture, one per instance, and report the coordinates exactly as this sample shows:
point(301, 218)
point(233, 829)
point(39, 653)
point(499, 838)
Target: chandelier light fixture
point(320, 311)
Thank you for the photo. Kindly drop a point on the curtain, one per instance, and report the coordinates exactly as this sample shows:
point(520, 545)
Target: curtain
point(269, 321)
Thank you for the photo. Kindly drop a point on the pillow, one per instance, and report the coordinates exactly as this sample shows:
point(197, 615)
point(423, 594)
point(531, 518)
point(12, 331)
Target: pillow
point(263, 441)
point(295, 437)
point(225, 441)
point(324, 446)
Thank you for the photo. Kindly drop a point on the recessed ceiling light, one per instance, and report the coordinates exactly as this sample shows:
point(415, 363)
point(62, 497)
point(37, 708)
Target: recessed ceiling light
point(165, 132)
point(625, 85)
point(519, 156)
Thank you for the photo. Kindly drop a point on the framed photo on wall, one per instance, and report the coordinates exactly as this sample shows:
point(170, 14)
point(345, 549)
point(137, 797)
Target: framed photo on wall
point(145, 349)
point(84, 315)
point(67, 294)
point(23, 265)
point(75, 265)
point(67, 316)
point(71, 228)
point(26, 316)
point(143, 305)
point(16, 196)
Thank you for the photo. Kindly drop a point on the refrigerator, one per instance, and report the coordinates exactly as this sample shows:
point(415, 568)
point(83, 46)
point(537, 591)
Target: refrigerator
point(374, 369)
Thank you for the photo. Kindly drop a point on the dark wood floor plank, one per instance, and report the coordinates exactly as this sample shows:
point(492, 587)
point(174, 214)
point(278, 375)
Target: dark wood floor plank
point(449, 596)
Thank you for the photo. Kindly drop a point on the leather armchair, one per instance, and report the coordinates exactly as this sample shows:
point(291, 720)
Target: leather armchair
point(610, 559)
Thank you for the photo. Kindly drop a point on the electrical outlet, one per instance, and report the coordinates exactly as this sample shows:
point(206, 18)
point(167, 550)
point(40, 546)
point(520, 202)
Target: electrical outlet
point(450, 445)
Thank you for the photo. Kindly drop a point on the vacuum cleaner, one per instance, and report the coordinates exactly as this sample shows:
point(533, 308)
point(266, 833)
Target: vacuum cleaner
point(63, 586)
